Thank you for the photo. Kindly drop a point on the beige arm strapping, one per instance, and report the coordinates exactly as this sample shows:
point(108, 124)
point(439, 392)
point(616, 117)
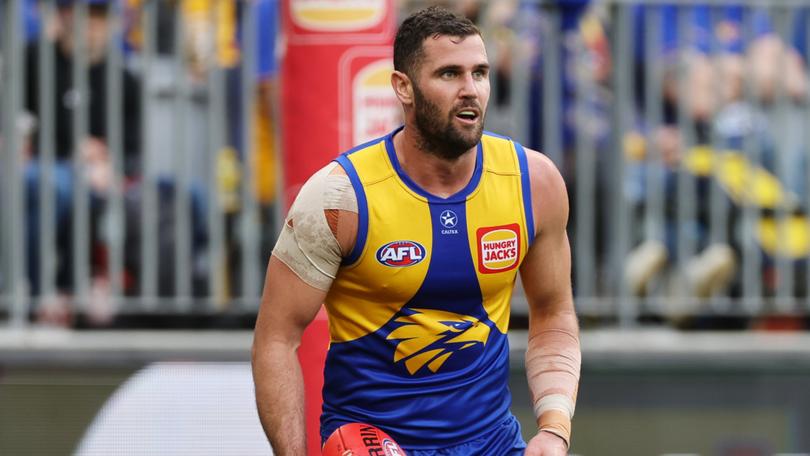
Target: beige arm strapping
point(307, 244)
point(552, 368)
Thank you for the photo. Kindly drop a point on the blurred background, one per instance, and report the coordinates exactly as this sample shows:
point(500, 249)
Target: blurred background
point(149, 150)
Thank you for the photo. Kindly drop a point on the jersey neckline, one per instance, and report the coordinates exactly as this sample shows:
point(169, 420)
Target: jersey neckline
point(457, 197)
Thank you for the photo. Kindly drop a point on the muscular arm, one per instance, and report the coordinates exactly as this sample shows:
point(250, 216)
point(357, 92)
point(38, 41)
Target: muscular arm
point(288, 306)
point(553, 356)
point(318, 231)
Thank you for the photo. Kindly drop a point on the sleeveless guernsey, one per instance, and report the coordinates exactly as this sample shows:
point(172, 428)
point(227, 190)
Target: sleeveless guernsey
point(419, 310)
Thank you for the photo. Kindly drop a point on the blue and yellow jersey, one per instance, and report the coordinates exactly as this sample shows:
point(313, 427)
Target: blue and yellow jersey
point(419, 310)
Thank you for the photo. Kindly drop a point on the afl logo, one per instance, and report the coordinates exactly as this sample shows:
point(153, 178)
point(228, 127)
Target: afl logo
point(399, 254)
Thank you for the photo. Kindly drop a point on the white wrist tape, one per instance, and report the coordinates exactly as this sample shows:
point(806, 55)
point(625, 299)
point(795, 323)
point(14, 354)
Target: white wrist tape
point(559, 402)
point(553, 361)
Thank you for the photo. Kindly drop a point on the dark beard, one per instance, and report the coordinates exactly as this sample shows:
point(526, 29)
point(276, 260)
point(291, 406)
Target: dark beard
point(438, 136)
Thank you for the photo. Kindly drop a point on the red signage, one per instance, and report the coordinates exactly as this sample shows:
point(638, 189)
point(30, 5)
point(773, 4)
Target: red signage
point(336, 94)
point(336, 81)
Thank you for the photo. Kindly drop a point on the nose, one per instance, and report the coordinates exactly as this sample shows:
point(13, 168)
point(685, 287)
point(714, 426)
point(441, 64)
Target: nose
point(468, 88)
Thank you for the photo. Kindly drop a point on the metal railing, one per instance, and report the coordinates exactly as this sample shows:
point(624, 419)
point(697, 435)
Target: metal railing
point(682, 203)
point(685, 163)
point(175, 225)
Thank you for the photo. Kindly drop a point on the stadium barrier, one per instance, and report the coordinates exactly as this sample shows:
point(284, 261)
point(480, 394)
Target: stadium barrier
point(680, 131)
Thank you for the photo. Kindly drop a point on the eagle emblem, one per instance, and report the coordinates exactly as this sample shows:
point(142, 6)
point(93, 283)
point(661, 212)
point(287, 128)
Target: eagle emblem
point(430, 337)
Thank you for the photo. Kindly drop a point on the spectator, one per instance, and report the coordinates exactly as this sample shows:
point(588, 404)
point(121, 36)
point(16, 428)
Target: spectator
point(582, 75)
point(214, 36)
point(168, 88)
point(94, 160)
point(725, 47)
point(264, 157)
point(203, 53)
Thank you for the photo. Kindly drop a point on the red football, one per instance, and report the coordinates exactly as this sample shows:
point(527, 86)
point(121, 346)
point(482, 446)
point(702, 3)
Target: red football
point(358, 439)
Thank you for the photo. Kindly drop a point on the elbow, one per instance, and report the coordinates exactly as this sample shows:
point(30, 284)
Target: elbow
point(254, 351)
point(267, 349)
point(257, 349)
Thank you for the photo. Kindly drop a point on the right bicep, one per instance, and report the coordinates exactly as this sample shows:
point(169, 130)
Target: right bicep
point(288, 305)
point(318, 231)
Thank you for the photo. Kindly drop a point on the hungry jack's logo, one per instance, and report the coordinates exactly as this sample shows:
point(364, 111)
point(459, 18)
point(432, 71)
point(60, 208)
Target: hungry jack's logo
point(430, 337)
point(498, 248)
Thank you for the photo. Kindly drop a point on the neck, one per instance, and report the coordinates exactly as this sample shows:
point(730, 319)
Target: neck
point(436, 175)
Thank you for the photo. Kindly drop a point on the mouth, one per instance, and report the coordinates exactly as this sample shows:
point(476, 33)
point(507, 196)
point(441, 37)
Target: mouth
point(468, 115)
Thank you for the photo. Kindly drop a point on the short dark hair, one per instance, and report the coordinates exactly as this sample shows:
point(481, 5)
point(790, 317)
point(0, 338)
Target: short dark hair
point(429, 22)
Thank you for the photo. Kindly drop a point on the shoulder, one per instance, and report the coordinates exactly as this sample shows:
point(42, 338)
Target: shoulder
point(329, 191)
point(328, 183)
point(541, 168)
point(549, 194)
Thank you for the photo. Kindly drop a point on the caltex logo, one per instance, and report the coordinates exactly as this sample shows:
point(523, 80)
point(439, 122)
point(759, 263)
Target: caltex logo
point(449, 219)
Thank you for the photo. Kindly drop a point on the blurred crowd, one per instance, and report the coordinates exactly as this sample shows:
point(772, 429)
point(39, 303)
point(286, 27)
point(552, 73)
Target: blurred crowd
point(705, 95)
point(701, 109)
point(695, 116)
point(145, 154)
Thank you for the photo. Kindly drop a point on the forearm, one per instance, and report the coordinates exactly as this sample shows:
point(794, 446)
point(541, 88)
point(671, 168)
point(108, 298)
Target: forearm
point(280, 397)
point(552, 368)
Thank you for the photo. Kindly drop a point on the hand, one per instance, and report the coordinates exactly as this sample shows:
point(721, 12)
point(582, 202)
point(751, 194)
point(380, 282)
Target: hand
point(99, 175)
point(546, 444)
point(668, 140)
point(97, 164)
point(94, 150)
point(55, 311)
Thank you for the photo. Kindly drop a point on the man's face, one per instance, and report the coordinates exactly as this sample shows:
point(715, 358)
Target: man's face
point(451, 91)
point(96, 30)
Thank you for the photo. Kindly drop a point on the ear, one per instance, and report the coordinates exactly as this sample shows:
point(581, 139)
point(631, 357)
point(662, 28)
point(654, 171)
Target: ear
point(403, 87)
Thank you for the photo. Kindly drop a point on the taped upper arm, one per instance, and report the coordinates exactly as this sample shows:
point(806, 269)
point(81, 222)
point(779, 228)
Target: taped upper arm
point(320, 227)
point(340, 209)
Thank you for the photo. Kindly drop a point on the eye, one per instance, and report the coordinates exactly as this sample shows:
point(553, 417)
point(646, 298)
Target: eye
point(448, 74)
point(479, 74)
point(454, 326)
point(461, 325)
